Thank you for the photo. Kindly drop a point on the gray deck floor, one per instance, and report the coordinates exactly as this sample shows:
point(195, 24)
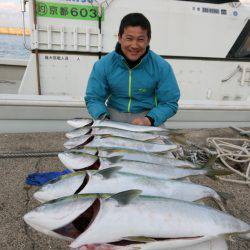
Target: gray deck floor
point(16, 197)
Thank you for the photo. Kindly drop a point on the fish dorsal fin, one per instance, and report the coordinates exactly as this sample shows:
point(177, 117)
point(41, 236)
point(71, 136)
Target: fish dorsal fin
point(114, 159)
point(125, 197)
point(199, 201)
point(142, 239)
point(211, 161)
point(108, 172)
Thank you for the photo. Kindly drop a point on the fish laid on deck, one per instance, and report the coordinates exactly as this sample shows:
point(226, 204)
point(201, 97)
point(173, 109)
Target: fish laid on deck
point(160, 159)
point(111, 181)
point(129, 155)
point(78, 132)
point(109, 142)
point(147, 222)
point(83, 161)
point(139, 136)
point(103, 131)
point(79, 123)
point(127, 126)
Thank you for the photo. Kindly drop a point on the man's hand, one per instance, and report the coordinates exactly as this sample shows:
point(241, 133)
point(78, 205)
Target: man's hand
point(142, 121)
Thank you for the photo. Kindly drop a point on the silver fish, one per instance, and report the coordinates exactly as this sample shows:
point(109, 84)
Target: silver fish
point(129, 144)
point(78, 132)
point(109, 142)
point(159, 159)
point(126, 126)
point(139, 136)
point(77, 141)
point(217, 244)
point(111, 181)
point(74, 161)
point(142, 220)
point(82, 161)
point(79, 122)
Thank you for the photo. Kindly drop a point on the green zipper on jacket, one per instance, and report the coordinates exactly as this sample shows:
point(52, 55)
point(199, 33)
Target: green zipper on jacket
point(130, 85)
point(129, 89)
point(156, 102)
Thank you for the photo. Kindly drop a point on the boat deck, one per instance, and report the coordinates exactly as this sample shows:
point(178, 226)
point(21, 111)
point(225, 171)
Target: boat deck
point(16, 197)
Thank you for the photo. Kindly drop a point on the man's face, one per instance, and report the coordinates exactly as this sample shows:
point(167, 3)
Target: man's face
point(134, 42)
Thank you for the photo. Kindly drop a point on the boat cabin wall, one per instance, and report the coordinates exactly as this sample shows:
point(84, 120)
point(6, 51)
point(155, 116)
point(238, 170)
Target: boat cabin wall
point(179, 28)
point(67, 75)
point(195, 37)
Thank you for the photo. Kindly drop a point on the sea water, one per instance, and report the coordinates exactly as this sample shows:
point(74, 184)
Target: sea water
point(11, 47)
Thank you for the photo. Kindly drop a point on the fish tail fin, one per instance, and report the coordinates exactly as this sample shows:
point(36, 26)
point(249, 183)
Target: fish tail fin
point(213, 173)
point(217, 200)
point(222, 199)
point(221, 205)
point(210, 163)
point(177, 137)
point(225, 196)
point(114, 159)
point(245, 236)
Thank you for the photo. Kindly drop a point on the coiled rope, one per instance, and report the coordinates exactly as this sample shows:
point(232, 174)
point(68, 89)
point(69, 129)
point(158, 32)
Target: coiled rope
point(231, 151)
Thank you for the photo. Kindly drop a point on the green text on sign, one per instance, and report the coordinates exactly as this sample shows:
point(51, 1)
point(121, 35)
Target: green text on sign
point(67, 11)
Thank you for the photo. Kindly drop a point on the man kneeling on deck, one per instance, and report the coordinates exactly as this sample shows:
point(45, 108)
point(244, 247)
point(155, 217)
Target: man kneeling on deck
point(133, 84)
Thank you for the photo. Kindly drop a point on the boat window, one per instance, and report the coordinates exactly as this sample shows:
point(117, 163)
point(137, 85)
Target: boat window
point(241, 47)
point(211, 1)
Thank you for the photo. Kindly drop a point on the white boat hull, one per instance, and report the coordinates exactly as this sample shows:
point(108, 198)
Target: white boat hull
point(11, 74)
point(31, 113)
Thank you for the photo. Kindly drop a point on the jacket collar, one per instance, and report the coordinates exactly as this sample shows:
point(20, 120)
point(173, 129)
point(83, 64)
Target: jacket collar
point(131, 64)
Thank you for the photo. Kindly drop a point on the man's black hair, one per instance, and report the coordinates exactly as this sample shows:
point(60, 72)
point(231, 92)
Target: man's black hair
point(135, 19)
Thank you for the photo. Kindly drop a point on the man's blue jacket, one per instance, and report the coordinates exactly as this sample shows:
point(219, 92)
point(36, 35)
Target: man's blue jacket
point(151, 85)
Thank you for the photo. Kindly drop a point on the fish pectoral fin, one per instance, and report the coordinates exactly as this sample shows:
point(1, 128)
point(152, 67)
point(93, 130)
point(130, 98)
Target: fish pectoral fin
point(200, 201)
point(108, 172)
point(111, 151)
point(104, 136)
point(142, 239)
point(226, 196)
point(114, 159)
point(125, 197)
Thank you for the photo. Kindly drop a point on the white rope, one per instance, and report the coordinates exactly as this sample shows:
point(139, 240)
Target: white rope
point(234, 150)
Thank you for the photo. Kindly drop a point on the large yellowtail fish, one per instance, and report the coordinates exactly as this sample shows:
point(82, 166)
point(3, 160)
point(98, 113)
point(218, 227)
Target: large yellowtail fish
point(111, 181)
point(146, 222)
point(78, 162)
point(110, 142)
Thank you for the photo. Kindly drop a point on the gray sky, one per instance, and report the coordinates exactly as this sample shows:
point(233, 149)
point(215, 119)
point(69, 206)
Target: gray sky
point(10, 15)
